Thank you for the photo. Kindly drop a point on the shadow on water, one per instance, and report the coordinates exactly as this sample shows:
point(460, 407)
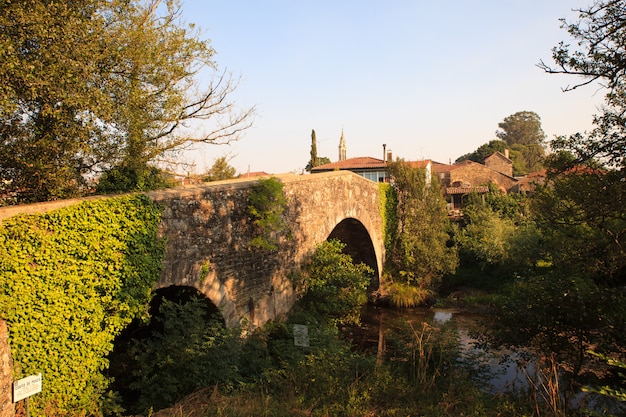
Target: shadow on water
point(495, 370)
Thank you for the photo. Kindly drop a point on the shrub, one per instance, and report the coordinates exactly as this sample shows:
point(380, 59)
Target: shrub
point(187, 350)
point(333, 285)
point(406, 295)
point(126, 179)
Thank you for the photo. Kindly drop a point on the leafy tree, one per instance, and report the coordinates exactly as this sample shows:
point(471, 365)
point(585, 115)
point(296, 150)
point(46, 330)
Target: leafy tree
point(484, 151)
point(220, 170)
point(485, 237)
point(521, 133)
point(496, 240)
point(581, 212)
point(51, 105)
point(576, 301)
point(323, 160)
point(158, 94)
point(121, 179)
point(527, 158)
point(599, 54)
point(561, 314)
point(333, 286)
point(421, 253)
point(521, 128)
point(89, 86)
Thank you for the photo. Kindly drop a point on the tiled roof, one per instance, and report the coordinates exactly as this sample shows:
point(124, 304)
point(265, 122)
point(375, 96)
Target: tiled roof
point(466, 190)
point(253, 174)
point(499, 155)
point(439, 167)
point(364, 162)
point(418, 164)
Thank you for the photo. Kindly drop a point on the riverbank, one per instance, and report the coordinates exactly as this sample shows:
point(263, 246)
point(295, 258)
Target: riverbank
point(431, 364)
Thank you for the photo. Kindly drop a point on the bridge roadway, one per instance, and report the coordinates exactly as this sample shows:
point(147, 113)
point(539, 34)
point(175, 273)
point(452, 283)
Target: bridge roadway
point(207, 230)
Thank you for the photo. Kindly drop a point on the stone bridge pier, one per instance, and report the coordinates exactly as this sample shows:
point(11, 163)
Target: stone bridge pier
point(208, 230)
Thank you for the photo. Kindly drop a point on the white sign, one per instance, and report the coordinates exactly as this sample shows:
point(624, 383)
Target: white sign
point(26, 387)
point(301, 335)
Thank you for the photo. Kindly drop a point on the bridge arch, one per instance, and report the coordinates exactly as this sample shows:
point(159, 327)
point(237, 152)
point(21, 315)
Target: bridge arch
point(358, 243)
point(182, 294)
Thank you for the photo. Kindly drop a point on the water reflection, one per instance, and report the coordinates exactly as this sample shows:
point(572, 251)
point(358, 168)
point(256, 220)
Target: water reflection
point(494, 370)
point(441, 316)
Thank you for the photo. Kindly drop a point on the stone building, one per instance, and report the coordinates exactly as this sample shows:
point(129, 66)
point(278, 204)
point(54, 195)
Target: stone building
point(462, 179)
point(500, 162)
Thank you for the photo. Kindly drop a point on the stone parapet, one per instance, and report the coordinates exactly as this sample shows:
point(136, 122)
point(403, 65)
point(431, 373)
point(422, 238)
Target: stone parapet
point(7, 408)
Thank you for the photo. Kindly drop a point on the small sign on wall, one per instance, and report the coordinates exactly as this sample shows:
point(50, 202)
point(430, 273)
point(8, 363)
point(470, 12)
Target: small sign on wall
point(300, 335)
point(26, 387)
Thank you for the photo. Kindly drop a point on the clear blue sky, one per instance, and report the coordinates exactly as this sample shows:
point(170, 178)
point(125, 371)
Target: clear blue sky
point(431, 79)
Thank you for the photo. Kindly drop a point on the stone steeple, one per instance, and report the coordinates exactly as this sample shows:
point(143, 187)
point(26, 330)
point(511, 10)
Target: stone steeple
point(342, 147)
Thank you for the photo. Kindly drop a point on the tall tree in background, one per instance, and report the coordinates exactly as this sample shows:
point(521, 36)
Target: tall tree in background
point(521, 128)
point(314, 160)
point(91, 86)
point(522, 135)
point(599, 55)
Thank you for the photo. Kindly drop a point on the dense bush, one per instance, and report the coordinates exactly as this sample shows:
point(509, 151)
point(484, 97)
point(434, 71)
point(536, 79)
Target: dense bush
point(187, 349)
point(70, 280)
point(333, 286)
point(126, 179)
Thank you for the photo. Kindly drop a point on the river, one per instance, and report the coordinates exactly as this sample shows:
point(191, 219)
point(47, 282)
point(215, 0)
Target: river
point(495, 370)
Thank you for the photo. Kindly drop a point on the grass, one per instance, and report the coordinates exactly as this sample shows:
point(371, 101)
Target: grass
point(408, 296)
point(418, 378)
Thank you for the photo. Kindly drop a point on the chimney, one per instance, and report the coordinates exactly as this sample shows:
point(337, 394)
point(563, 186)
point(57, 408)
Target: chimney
point(384, 152)
point(506, 153)
point(389, 156)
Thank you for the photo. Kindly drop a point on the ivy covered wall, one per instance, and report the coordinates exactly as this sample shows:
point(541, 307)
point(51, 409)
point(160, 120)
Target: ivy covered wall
point(70, 281)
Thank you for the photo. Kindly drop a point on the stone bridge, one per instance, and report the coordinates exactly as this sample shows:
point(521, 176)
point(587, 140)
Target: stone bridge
point(208, 229)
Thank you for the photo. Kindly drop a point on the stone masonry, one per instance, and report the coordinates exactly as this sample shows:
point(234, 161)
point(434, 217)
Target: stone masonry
point(208, 230)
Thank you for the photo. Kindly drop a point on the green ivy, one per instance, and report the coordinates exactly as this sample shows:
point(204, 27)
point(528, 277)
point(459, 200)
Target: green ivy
point(266, 204)
point(388, 212)
point(70, 281)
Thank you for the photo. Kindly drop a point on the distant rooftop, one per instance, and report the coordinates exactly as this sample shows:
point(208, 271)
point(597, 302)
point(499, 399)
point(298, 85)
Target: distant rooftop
point(363, 162)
